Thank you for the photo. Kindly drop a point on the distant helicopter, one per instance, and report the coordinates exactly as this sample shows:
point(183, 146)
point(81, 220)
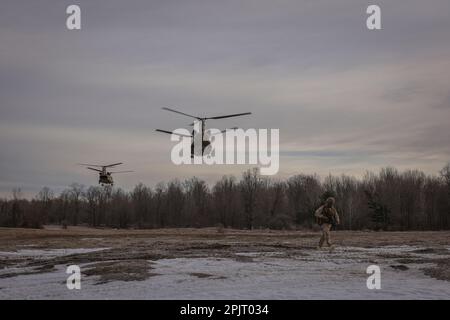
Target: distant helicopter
point(105, 177)
point(201, 136)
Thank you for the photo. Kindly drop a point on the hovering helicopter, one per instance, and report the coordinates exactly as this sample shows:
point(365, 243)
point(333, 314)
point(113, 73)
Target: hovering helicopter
point(201, 137)
point(105, 177)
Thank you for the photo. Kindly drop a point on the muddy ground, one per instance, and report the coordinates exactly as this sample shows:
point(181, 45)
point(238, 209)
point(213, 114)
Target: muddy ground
point(127, 250)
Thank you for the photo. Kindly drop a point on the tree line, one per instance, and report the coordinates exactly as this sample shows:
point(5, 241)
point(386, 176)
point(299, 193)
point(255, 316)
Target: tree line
point(387, 200)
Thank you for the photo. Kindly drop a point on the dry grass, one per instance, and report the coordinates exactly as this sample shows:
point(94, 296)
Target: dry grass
point(47, 236)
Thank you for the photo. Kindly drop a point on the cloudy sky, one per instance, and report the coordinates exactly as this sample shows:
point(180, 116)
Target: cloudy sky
point(345, 99)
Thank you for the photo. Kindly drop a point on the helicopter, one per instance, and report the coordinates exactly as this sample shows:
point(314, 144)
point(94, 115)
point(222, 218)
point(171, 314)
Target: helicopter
point(201, 136)
point(105, 177)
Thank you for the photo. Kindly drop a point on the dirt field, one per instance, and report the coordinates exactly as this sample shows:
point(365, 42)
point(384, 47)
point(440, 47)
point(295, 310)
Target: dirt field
point(212, 263)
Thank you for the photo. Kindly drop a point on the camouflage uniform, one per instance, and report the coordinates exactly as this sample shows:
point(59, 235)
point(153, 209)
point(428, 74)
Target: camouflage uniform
point(326, 217)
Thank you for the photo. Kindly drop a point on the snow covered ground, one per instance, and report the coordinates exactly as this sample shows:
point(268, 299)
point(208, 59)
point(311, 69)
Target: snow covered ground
point(317, 274)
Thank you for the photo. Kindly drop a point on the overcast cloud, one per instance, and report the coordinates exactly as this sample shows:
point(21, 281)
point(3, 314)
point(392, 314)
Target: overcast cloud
point(345, 99)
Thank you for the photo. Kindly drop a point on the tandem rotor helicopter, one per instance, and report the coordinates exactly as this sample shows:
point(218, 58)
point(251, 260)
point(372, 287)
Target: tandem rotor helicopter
point(201, 136)
point(104, 176)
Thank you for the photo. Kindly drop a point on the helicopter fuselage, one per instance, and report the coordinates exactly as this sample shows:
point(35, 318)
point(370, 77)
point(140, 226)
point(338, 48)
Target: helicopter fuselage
point(205, 144)
point(105, 178)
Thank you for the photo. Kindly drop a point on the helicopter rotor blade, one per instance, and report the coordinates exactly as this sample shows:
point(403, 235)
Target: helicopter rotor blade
point(91, 165)
point(230, 115)
point(223, 131)
point(121, 171)
point(185, 114)
point(170, 132)
point(93, 169)
point(113, 165)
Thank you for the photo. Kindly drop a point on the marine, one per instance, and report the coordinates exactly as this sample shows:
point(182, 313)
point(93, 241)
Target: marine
point(327, 217)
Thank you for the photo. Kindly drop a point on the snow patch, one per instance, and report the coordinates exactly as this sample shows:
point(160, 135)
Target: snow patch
point(321, 275)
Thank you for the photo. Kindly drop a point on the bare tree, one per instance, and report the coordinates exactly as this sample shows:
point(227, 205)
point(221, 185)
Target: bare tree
point(389, 199)
point(142, 198)
point(16, 209)
point(226, 200)
point(75, 194)
point(445, 213)
point(346, 194)
point(158, 202)
point(175, 204)
point(196, 195)
point(432, 192)
point(303, 192)
point(45, 202)
point(64, 207)
point(250, 185)
point(120, 209)
point(92, 196)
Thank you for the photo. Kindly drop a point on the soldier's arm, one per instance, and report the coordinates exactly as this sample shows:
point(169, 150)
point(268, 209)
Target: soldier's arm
point(318, 213)
point(336, 217)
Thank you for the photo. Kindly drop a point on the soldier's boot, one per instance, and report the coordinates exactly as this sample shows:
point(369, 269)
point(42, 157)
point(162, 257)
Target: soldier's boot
point(322, 240)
